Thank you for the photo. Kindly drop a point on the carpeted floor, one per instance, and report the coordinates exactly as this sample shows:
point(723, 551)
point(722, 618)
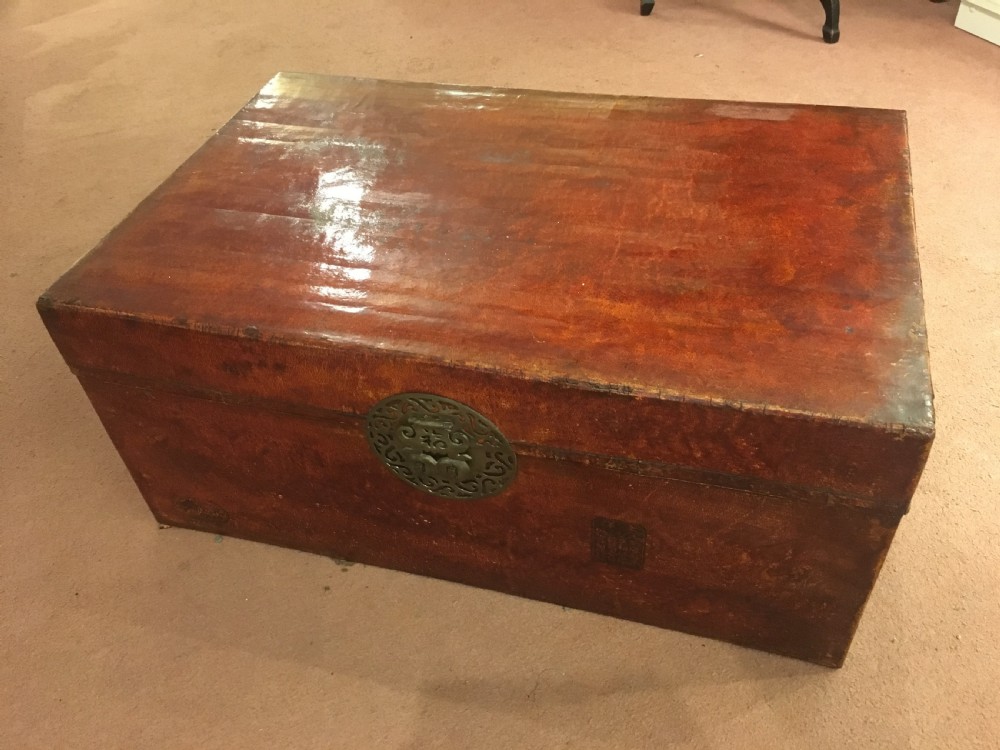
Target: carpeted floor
point(114, 634)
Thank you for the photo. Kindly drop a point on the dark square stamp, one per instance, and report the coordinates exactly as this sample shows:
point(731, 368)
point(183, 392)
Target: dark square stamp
point(618, 543)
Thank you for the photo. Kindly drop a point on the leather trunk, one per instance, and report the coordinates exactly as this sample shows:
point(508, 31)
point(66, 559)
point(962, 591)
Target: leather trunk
point(658, 359)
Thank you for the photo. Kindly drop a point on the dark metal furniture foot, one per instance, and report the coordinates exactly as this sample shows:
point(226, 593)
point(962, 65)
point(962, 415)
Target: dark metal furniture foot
point(831, 29)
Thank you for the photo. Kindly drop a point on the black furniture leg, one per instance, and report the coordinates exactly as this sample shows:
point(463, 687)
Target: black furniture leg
point(831, 29)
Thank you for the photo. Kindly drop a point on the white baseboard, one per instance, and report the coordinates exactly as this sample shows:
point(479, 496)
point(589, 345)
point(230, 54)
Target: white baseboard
point(980, 17)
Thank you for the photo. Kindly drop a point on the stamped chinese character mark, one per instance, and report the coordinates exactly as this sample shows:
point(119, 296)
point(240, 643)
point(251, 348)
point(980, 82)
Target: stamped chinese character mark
point(618, 543)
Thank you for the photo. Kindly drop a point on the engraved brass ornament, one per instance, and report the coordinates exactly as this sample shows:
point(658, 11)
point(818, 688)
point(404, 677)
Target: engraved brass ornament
point(441, 446)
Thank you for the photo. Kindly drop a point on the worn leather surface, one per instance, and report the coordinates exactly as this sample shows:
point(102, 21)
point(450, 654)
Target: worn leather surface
point(699, 322)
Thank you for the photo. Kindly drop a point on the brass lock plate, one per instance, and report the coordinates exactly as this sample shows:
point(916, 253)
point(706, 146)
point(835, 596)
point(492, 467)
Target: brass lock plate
point(441, 446)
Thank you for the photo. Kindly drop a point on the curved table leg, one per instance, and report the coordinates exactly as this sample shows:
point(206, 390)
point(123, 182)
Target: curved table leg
point(646, 7)
point(831, 29)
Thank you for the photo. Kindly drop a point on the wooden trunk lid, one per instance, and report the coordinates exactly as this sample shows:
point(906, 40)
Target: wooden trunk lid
point(722, 292)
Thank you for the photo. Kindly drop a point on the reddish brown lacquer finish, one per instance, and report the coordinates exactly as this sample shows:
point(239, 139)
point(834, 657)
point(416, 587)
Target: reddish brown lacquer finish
point(699, 324)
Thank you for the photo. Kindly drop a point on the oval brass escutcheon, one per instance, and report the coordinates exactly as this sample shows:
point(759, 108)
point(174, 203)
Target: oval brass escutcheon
point(441, 446)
